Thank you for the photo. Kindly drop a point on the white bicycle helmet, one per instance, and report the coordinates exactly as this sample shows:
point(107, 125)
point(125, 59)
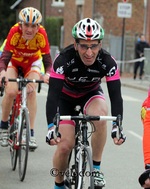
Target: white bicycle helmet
point(88, 29)
point(30, 15)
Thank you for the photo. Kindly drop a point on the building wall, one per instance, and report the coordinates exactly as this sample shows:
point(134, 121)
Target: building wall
point(105, 12)
point(45, 6)
point(112, 23)
point(148, 21)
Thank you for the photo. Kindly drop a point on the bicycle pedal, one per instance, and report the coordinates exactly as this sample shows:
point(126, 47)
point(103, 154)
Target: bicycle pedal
point(98, 187)
point(31, 149)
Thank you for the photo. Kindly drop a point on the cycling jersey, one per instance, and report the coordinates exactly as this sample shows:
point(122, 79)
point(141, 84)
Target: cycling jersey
point(74, 79)
point(145, 116)
point(25, 52)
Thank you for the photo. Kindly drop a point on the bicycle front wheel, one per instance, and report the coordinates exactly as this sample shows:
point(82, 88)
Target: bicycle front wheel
point(13, 146)
point(24, 144)
point(85, 179)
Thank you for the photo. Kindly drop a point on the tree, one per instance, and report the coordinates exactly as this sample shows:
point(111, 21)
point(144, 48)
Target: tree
point(53, 28)
point(7, 18)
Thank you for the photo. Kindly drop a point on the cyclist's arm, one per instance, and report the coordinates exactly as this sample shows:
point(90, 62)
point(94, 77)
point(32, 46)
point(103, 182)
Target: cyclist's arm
point(54, 91)
point(4, 60)
point(114, 90)
point(47, 61)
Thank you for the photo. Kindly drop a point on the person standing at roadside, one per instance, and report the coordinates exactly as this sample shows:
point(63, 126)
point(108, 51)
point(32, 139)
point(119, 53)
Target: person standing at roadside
point(139, 53)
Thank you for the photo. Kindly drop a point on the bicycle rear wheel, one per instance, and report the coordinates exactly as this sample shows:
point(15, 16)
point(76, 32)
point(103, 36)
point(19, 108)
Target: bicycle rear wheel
point(13, 146)
point(24, 144)
point(84, 179)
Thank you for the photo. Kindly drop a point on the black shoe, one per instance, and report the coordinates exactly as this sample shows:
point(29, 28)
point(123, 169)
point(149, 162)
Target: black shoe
point(144, 176)
point(134, 77)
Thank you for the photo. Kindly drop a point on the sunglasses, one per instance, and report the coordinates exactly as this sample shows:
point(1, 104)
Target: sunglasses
point(85, 47)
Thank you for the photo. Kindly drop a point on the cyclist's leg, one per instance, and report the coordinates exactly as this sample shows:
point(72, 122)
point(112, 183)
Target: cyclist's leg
point(9, 95)
point(7, 102)
point(32, 73)
point(96, 105)
point(67, 130)
point(60, 159)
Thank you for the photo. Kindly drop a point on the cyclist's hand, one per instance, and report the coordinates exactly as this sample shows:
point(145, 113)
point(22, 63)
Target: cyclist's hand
point(51, 139)
point(46, 78)
point(3, 75)
point(118, 137)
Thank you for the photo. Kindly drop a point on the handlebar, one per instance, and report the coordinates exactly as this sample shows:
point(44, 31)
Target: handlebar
point(21, 81)
point(25, 80)
point(86, 118)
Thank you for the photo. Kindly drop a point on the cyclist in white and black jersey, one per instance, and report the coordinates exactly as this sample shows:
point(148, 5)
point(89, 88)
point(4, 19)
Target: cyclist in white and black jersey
point(75, 80)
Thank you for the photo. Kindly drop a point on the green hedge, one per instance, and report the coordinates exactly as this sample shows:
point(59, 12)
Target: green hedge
point(53, 28)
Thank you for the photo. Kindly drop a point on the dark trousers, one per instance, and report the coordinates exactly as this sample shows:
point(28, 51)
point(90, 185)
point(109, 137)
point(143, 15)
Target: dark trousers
point(138, 65)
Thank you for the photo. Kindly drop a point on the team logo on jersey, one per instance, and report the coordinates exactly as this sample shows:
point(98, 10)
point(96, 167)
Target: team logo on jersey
point(60, 70)
point(70, 62)
point(111, 72)
point(92, 71)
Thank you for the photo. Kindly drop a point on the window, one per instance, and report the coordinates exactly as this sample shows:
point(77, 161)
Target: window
point(58, 3)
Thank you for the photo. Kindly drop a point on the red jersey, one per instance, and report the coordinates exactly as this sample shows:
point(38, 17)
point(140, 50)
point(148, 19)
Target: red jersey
point(25, 52)
point(145, 116)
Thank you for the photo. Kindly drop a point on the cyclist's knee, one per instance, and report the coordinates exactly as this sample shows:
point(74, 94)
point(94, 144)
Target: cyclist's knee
point(10, 93)
point(65, 148)
point(31, 93)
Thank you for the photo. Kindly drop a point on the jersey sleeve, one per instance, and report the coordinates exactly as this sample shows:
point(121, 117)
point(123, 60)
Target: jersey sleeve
point(43, 41)
point(114, 90)
point(55, 88)
point(114, 87)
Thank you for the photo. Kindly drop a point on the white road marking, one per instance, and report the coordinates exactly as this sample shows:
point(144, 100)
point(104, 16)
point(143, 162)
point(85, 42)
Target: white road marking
point(135, 134)
point(128, 98)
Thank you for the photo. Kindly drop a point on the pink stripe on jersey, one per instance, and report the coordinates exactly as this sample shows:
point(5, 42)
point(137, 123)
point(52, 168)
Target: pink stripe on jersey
point(90, 100)
point(56, 75)
point(114, 77)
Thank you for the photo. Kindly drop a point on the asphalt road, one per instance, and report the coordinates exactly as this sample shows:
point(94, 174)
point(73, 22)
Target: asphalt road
point(121, 164)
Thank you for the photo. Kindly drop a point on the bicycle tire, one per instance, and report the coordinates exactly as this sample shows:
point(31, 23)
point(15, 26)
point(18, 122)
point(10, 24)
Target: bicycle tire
point(24, 144)
point(13, 147)
point(84, 166)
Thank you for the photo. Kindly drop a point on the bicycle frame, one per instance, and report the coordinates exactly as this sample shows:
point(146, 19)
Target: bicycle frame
point(82, 150)
point(19, 105)
point(18, 123)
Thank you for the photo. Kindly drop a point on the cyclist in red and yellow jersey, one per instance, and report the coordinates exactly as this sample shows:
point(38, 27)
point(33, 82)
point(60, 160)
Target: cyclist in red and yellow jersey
point(144, 178)
point(27, 46)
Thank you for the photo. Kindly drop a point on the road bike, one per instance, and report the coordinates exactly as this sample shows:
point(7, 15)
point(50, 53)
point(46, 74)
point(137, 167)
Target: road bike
point(80, 174)
point(19, 125)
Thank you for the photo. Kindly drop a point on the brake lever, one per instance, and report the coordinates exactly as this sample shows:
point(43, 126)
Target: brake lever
point(56, 121)
point(119, 124)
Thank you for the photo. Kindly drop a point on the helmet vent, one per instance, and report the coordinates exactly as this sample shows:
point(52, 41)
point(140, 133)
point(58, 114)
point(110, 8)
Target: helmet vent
point(33, 19)
point(89, 28)
point(27, 19)
point(88, 36)
point(88, 20)
point(81, 35)
point(96, 36)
